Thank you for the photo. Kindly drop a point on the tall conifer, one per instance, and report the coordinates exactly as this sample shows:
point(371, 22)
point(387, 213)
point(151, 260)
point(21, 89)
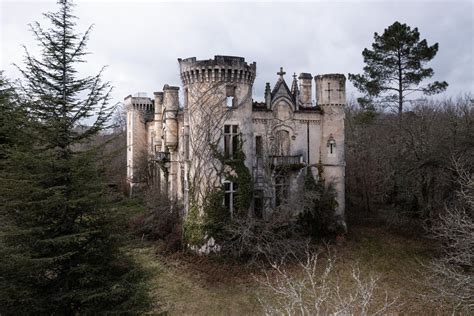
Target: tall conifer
point(57, 252)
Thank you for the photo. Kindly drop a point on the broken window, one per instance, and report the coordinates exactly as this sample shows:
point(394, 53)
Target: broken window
point(231, 140)
point(230, 96)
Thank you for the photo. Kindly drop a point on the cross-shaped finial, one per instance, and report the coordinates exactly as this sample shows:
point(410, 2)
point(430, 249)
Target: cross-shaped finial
point(281, 72)
point(294, 75)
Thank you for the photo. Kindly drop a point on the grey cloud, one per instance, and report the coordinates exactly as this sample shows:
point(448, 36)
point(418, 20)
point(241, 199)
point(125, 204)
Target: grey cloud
point(141, 41)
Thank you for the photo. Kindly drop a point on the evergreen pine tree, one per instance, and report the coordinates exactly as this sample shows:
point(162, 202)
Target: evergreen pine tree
point(395, 68)
point(57, 251)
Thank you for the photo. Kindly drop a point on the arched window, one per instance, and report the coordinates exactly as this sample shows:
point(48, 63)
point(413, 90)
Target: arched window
point(282, 143)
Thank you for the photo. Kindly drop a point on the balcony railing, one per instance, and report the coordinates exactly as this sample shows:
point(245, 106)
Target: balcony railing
point(283, 161)
point(162, 156)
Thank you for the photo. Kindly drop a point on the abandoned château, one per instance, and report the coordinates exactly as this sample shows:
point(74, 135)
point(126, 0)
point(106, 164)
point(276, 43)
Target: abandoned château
point(180, 147)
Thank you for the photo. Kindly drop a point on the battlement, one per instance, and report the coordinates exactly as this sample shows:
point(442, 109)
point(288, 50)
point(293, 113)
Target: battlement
point(140, 103)
point(220, 69)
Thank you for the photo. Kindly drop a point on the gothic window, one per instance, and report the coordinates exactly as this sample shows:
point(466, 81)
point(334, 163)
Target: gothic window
point(331, 146)
point(229, 196)
point(282, 143)
point(230, 96)
point(186, 97)
point(281, 190)
point(231, 140)
point(152, 141)
point(258, 204)
point(182, 179)
point(186, 147)
point(258, 146)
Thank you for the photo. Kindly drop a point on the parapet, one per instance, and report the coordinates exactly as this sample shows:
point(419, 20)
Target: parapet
point(139, 102)
point(220, 69)
point(330, 89)
point(331, 77)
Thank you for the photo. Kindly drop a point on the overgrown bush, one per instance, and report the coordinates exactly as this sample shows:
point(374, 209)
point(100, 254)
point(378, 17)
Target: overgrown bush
point(161, 221)
point(272, 239)
point(318, 218)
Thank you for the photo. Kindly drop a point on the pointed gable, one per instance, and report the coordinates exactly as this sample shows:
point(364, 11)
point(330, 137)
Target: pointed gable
point(281, 90)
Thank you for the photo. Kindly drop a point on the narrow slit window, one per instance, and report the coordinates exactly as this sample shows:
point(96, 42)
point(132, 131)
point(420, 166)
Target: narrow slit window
point(331, 144)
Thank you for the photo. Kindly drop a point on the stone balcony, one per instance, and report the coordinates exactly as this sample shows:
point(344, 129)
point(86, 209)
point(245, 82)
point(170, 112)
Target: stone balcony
point(281, 161)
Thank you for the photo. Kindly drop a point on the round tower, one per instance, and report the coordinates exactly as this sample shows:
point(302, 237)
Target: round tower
point(170, 113)
point(331, 98)
point(218, 107)
point(218, 92)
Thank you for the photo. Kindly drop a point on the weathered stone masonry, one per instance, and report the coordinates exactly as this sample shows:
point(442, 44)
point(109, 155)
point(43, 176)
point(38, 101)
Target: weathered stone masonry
point(288, 127)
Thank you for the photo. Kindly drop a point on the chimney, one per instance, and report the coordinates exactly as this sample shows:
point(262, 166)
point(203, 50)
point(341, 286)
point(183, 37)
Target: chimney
point(305, 89)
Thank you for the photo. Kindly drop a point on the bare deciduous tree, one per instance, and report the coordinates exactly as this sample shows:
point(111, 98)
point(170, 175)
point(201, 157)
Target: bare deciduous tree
point(317, 290)
point(450, 277)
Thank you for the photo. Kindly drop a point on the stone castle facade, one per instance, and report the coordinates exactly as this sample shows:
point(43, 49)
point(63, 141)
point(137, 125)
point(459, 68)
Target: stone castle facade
point(295, 127)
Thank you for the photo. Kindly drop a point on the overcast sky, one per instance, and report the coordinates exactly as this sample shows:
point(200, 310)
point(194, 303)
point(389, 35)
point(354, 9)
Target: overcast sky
point(140, 41)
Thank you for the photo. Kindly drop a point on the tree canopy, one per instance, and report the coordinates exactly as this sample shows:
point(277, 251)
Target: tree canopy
point(395, 68)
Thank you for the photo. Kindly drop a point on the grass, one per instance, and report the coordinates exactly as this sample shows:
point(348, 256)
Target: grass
point(186, 284)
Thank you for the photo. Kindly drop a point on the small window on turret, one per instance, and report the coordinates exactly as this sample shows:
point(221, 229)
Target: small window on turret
point(230, 96)
point(331, 146)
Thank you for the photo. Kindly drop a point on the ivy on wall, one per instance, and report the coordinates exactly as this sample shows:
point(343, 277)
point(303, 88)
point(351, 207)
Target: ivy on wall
point(215, 215)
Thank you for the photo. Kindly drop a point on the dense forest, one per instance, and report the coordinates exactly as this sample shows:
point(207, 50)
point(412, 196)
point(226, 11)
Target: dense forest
point(73, 241)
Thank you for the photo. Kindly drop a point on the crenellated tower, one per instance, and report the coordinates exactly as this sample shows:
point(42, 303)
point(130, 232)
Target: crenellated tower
point(140, 112)
point(217, 105)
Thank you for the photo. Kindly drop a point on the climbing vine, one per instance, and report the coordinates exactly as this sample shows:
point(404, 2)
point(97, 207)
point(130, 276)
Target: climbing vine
point(235, 170)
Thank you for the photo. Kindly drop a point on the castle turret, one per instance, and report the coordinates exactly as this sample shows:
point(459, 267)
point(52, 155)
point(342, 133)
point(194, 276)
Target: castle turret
point(140, 111)
point(158, 120)
point(170, 112)
point(306, 97)
point(218, 94)
point(331, 98)
point(222, 84)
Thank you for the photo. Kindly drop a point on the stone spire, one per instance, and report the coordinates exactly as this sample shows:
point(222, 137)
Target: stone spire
point(294, 86)
point(268, 94)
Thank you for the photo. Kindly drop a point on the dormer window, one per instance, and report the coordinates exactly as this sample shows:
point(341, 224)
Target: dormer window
point(230, 96)
point(331, 146)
